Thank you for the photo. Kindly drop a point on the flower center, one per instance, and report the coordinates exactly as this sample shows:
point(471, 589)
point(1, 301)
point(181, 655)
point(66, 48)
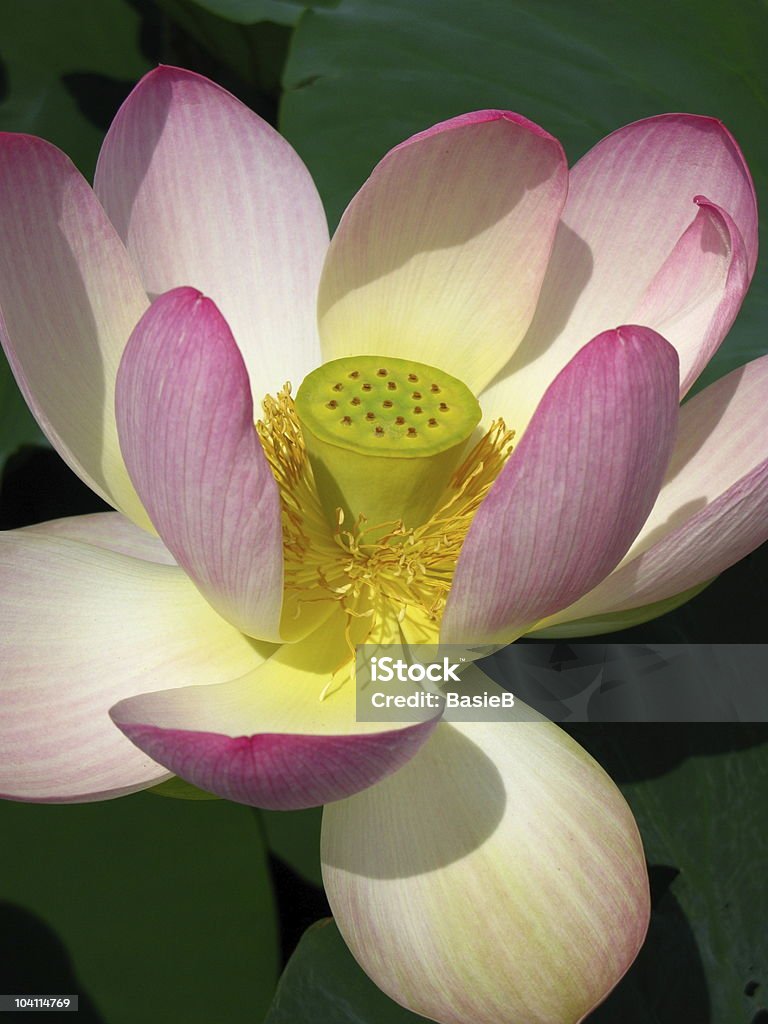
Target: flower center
point(384, 435)
point(392, 580)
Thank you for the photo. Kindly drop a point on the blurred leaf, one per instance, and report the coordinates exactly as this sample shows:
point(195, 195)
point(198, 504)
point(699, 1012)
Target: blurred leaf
point(364, 75)
point(17, 425)
point(709, 818)
point(700, 796)
point(44, 44)
point(248, 12)
point(164, 906)
point(254, 52)
point(294, 836)
point(322, 982)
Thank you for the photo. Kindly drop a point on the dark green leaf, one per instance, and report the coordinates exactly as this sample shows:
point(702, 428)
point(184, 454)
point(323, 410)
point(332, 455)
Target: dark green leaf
point(164, 907)
point(294, 836)
point(700, 796)
point(322, 982)
point(254, 52)
point(68, 65)
point(17, 425)
point(248, 12)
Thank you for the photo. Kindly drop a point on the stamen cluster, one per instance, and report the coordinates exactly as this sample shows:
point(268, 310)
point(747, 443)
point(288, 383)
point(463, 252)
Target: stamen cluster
point(395, 576)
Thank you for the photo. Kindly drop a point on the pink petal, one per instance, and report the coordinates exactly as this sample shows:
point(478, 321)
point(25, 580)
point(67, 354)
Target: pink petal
point(185, 417)
point(282, 737)
point(575, 492)
point(442, 252)
point(498, 878)
point(629, 208)
point(107, 530)
point(205, 193)
point(82, 627)
point(69, 298)
point(694, 298)
point(712, 507)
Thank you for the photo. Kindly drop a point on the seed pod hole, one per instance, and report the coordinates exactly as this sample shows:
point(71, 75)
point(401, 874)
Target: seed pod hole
point(384, 405)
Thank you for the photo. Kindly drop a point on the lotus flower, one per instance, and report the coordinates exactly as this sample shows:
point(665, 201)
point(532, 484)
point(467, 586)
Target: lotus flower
point(479, 872)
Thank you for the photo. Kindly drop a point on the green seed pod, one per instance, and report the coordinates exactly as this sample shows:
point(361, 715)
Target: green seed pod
point(384, 435)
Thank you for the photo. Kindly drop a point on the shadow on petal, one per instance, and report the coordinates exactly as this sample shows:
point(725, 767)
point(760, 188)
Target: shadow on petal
point(559, 295)
point(459, 822)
